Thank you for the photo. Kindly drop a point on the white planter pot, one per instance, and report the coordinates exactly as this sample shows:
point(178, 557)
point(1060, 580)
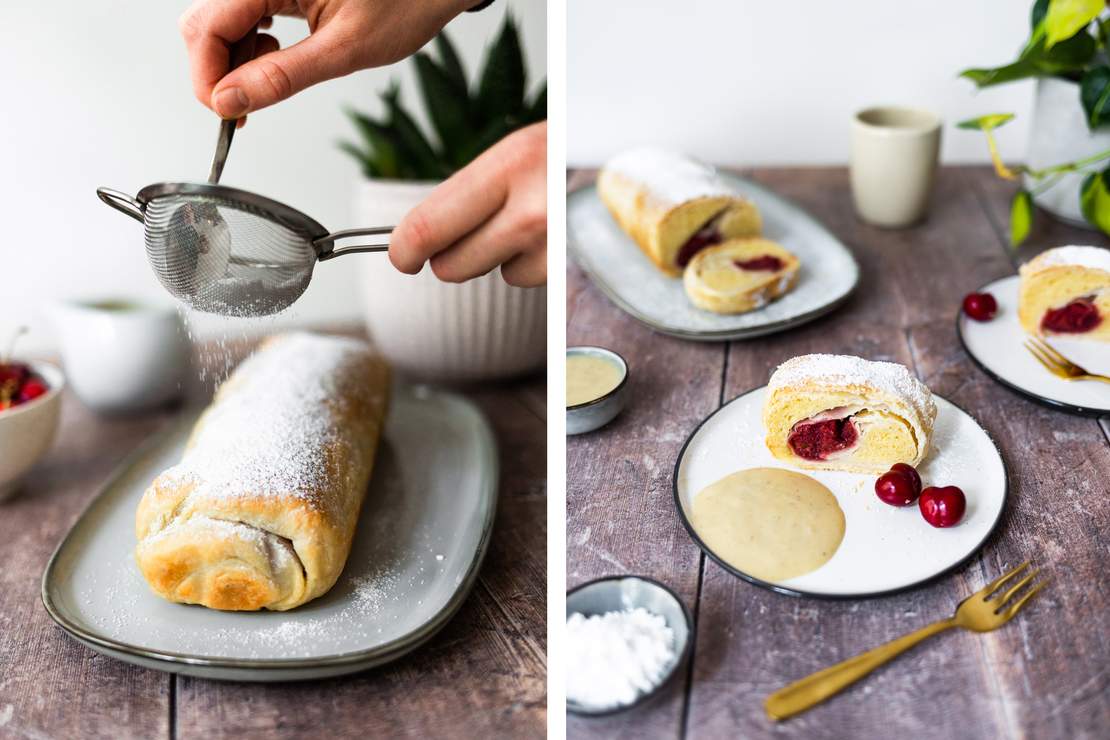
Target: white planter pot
point(1059, 134)
point(480, 330)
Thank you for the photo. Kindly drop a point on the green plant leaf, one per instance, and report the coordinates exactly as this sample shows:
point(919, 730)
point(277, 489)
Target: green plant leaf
point(989, 122)
point(448, 110)
point(417, 154)
point(1021, 216)
point(1040, 9)
point(1094, 200)
point(537, 111)
point(1070, 55)
point(1094, 92)
point(451, 63)
point(987, 76)
point(1065, 18)
point(381, 155)
point(501, 87)
point(363, 157)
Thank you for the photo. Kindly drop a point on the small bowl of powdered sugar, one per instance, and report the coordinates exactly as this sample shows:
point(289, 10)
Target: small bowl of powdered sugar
point(626, 638)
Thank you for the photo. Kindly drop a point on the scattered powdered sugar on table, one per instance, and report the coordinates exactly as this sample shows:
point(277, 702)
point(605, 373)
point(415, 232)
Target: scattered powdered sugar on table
point(1093, 257)
point(616, 657)
point(670, 177)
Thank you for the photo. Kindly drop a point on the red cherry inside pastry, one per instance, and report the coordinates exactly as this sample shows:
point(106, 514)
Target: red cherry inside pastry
point(942, 506)
point(707, 236)
point(980, 306)
point(1075, 318)
point(900, 486)
point(767, 262)
point(819, 439)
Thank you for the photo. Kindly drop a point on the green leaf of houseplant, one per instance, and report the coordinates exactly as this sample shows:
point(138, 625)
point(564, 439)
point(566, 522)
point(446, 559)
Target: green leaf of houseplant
point(414, 148)
point(448, 111)
point(1064, 18)
point(987, 76)
point(381, 146)
point(537, 111)
point(451, 63)
point(501, 88)
point(1021, 216)
point(1094, 199)
point(1070, 55)
point(989, 122)
point(1040, 9)
point(1094, 91)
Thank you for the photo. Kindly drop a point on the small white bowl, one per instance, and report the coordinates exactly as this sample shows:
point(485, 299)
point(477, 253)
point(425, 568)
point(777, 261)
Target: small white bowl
point(27, 430)
point(591, 415)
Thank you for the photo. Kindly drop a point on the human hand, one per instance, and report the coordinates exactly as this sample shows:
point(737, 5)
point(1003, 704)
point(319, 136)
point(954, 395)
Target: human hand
point(491, 212)
point(345, 36)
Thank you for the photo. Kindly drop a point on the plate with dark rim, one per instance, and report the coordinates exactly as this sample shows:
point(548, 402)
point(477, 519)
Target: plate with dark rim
point(996, 346)
point(828, 275)
point(424, 529)
point(886, 549)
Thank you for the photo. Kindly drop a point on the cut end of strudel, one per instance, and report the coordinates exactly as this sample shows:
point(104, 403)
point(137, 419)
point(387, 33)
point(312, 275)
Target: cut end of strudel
point(837, 412)
point(739, 275)
point(673, 206)
point(1066, 291)
point(261, 511)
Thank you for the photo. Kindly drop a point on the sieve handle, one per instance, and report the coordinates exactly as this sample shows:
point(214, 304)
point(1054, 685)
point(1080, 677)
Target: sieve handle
point(122, 202)
point(325, 245)
point(241, 52)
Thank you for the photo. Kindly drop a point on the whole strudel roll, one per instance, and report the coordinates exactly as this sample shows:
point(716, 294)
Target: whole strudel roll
point(261, 511)
point(673, 206)
point(1066, 290)
point(837, 412)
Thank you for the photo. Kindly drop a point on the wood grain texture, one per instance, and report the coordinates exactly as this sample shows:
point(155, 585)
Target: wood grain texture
point(1046, 675)
point(483, 675)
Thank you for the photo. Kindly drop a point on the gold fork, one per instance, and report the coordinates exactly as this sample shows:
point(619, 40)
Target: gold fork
point(1057, 364)
point(977, 612)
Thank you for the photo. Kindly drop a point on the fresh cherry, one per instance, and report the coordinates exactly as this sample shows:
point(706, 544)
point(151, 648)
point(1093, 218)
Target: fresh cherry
point(942, 506)
point(910, 472)
point(895, 489)
point(31, 390)
point(980, 306)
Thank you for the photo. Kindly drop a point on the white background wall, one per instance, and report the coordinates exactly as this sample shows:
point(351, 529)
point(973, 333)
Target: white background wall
point(759, 82)
point(97, 93)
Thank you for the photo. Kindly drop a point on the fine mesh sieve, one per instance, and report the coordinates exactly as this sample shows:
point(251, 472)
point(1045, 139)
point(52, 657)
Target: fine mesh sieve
point(232, 252)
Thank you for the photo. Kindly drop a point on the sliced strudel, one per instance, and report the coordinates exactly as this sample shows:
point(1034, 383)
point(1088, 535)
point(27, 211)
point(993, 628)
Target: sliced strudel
point(261, 511)
point(739, 275)
point(1067, 291)
point(673, 206)
point(836, 412)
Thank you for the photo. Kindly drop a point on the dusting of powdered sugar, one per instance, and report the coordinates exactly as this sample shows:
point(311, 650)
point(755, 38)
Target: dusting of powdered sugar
point(1093, 257)
point(271, 434)
point(839, 370)
point(669, 177)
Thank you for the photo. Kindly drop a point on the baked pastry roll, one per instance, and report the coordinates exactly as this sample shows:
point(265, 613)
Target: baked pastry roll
point(1067, 291)
point(739, 275)
point(261, 510)
point(836, 412)
point(673, 206)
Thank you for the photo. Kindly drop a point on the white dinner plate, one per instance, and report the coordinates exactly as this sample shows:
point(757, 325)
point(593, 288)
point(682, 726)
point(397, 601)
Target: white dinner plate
point(997, 347)
point(616, 265)
point(424, 529)
point(885, 548)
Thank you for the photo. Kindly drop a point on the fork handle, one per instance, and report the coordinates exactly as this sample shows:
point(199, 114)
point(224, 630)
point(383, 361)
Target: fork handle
point(815, 688)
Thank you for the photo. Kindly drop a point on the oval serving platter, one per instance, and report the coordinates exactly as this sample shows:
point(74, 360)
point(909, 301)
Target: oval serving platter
point(424, 529)
point(615, 264)
point(886, 549)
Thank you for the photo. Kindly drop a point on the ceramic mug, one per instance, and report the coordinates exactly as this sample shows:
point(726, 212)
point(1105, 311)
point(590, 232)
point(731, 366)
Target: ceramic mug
point(123, 356)
point(894, 160)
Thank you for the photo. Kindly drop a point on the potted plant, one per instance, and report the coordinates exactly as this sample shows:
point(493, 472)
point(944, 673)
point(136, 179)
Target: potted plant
point(484, 328)
point(1066, 170)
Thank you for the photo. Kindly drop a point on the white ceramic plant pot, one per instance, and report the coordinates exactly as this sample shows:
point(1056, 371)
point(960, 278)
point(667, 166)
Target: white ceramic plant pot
point(1059, 134)
point(480, 330)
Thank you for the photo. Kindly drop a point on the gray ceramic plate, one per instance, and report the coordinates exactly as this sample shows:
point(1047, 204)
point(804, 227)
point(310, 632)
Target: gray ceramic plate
point(423, 532)
point(617, 266)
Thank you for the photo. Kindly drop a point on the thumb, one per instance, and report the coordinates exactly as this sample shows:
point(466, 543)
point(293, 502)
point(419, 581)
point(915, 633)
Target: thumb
point(277, 75)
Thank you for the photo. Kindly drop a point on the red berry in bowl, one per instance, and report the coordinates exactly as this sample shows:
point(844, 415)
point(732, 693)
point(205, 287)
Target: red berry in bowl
point(895, 489)
point(980, 306)
point(910, 472)
point(32, 389)
point(942, 506)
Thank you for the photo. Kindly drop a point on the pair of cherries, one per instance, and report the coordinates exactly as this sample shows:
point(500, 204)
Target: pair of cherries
point(941, 506)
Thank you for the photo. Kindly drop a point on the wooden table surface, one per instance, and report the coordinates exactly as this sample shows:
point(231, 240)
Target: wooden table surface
point(483, 675)
point(1045, 675)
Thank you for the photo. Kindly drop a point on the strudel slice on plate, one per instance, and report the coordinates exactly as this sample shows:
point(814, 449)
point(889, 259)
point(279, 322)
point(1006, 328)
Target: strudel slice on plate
point(1067, 291)
point(261, 511)
point(837, 412)
point(673, 206)
point(739, 275)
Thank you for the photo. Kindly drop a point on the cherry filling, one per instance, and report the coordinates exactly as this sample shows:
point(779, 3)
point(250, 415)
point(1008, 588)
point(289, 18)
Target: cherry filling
point(706, 236)
point(816, 440)
point(1075, 318)
point(766, 262)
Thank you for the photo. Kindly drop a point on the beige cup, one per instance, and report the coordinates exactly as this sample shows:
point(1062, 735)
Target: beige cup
point(894, 159)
